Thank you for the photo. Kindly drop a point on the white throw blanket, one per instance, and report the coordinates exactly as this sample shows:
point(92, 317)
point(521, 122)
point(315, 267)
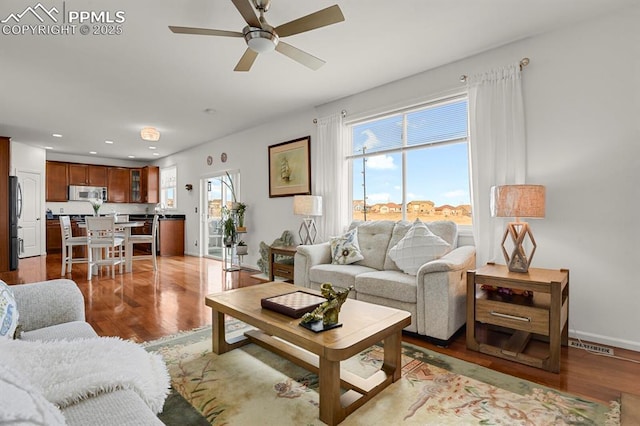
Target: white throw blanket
point(69, 371)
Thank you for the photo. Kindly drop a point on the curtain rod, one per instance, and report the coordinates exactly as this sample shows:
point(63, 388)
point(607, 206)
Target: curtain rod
point(523, 63)
point(343, 113)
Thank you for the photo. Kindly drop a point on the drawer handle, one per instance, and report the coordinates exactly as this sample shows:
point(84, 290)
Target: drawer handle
point(513, 317)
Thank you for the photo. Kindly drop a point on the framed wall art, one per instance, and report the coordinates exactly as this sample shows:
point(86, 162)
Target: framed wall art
point(290, 168)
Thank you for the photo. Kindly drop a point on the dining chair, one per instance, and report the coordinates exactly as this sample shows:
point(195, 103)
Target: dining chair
point(146, 239)
point(68, 243)
point(103, 246)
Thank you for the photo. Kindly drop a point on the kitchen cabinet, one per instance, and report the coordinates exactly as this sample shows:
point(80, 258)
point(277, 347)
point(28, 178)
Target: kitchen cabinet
point(57, 181)
point(150, 184)
point(118, 184)
point(145, 184)
point(136, 194)
point(87, 174)
point(54, 236)
point(171, 237)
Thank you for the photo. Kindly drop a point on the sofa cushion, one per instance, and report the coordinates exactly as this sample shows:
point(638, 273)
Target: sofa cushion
point(373, 238)
point(399, 231)
point(122, 407)
point(392, 285)
point(8, 312)
point(445, 229)
point(67, 330)
point(345, 249)
point(22, 403)
point(418, 247)
point(338, 275)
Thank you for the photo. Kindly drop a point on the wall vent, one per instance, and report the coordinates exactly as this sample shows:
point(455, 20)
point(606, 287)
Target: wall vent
point(591, 347)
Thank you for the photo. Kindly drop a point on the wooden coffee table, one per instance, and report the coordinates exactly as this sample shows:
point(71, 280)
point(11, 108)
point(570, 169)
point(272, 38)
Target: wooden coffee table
point(364, 324)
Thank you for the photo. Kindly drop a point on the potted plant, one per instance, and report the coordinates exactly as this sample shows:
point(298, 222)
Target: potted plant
point(241, 207)
point(232, 189)
point(229, 229)
point(242, 248)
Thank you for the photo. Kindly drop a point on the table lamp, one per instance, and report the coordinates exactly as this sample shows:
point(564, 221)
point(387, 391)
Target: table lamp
point(518, 201)
point(308, 206)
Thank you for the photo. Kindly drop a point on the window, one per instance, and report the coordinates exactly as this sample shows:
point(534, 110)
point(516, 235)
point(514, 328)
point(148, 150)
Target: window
point(168, 179)
point(413, 164)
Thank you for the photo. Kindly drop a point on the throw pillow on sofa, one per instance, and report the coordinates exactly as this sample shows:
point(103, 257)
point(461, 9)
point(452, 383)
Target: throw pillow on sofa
point(345, 249)
point(8, 312)
point(418, 247)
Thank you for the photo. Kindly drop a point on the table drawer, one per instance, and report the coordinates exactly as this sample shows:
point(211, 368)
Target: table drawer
point(282, 270)
point(525, 318)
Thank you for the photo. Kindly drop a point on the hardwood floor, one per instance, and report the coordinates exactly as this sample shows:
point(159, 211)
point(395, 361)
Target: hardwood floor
point(145, 305)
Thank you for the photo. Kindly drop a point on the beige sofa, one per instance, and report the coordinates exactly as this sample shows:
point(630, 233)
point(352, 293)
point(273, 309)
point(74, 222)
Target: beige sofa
point(54, 310)
point(435, 296)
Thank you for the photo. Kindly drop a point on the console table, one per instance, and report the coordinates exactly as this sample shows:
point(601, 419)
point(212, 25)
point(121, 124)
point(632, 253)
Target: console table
point(280, 269)
point(544, 315)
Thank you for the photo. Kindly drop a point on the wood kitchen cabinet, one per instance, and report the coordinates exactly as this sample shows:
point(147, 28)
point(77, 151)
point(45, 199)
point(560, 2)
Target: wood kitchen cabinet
point(145, 185)
point(54, 236)
point(87, 174)
point(118, 184)
point(57, 181)
point(171, 237)
point(150, 184)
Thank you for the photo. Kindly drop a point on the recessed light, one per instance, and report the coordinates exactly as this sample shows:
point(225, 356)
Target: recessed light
point(92, 152)
point(109, 142)
point(132, 156)
point(56, 135)
point(48, 147)
point(156, 153)
point(152, 147)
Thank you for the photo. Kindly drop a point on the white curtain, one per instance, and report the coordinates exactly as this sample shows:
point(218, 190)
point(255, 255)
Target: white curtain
point(331, 176)
point(498, 150)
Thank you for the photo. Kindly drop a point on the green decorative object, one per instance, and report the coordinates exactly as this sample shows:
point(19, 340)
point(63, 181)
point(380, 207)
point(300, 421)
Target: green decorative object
point(286, 239)
point(328, 311)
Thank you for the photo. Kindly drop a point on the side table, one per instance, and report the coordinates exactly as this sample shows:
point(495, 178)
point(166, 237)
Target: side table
point(280, 269)
point(544, 315)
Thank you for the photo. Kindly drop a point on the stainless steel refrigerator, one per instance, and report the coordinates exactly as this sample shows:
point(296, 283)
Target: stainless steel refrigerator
point(15, 211)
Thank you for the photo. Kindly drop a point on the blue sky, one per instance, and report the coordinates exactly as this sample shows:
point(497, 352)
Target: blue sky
point(439, 174)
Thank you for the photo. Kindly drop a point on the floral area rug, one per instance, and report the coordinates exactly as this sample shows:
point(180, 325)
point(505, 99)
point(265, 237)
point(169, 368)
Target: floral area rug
point(252, 386)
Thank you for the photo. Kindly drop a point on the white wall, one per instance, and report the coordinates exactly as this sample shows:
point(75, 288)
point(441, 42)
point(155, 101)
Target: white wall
point(266, 218)
point(582, 103)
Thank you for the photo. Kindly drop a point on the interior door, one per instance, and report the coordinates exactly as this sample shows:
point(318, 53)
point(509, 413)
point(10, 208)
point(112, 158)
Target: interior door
point(29, 219)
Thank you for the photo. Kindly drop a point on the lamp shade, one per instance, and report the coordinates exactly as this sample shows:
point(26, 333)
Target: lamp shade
point(307, 205)
point(518, 201)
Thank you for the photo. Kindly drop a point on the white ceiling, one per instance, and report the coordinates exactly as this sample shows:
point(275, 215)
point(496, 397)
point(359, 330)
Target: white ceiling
point(92, 88)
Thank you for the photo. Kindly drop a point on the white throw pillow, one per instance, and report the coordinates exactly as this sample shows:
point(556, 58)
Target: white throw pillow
point(417, 247)
point(22, 403)
point(345, 249)
point(8, 312)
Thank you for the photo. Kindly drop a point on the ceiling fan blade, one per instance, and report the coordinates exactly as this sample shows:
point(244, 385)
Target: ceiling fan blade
point(204, 31)
point(300, 56)
point(321, 18)
point(247, 60)
point(246, 10)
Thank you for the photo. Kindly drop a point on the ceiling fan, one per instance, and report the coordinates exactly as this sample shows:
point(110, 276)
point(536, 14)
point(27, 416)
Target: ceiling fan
point(262, 37)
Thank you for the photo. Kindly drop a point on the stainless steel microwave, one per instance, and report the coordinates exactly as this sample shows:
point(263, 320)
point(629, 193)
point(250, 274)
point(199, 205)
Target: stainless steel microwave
point(86, 193)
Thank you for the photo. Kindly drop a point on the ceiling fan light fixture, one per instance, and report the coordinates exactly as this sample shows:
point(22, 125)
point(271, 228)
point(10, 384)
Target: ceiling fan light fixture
point(150, 134)
point(260, 40)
